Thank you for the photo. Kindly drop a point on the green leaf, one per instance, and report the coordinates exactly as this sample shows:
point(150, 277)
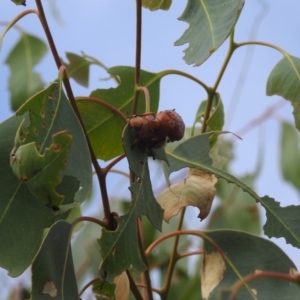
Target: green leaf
point(282, 221)
point(105, 127)
point(284, 80)
point(53, 274)
point(221, 270)
point(290, 154)
point(194, 153)
point(235, 210)
point(215, 122)
point(50, 113)
point(115, 257)
point(157, 4)
point(78, 68)
point(103, 290)
point(23, 81)
point(183, 285)
point(85, 251)
point(41, 173)
point(211, 22)
point(23, 218)
point(19, 2)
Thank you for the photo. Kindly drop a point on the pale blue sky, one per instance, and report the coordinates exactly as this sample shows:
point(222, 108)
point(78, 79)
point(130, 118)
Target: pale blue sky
point(106, 29)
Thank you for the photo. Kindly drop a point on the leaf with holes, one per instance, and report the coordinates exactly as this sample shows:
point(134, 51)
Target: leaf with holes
point(41, 172)
point(78, 68)
point(24, 81)
point(101, 121)
point(53, 274)
point(211, 22)
point(50, 113)
point(115, 257)
point(224, 264)
point(235, 209)
point(215, 121)
point(282, 221)
point(18, 203)
point(194, 153)
point(284, 80)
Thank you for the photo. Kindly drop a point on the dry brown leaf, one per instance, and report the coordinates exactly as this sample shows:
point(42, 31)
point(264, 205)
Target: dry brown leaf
point(212, 272)
point(122, 287)
point(196, 190)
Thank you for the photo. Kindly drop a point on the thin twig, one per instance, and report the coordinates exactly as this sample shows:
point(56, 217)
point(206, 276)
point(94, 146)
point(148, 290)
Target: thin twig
point(146, 274)
point(133, 111)
point(144, 286)
point(133, 287)
point(237, 286)
point(283, 52)
point(13, 22)
point(137, 54)
point(89, 219)
point(88, 285)
point(115, 110)
point(212, 91)
point(173, 259)
point(247, 63)
point(119, 172)
point(186, 254)
point(114, 162)
point(147, 97)
point(101, 177)
point(180, 73)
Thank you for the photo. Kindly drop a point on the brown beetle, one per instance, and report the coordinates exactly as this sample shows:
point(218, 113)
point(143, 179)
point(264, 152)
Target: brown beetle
point(155, 129)
point(172, 125)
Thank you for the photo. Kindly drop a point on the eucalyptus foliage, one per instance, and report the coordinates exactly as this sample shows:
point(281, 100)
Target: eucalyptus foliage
point(56, 141)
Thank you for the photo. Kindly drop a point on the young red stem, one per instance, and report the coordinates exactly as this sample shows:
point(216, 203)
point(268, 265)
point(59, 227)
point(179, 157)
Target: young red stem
point(237, 286)
point(89, 219)
point(103, 103)
point(88, 285)
point(147, 97)
point(186, 254)
point(115, 161)
point(179, 233)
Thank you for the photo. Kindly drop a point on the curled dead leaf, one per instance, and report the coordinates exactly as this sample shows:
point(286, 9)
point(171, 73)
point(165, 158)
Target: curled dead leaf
point(212, 272)
point(196, 190)
point(122, 287)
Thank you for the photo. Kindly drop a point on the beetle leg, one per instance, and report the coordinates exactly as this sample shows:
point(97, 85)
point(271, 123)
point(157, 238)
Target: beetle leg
point(151, 152)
